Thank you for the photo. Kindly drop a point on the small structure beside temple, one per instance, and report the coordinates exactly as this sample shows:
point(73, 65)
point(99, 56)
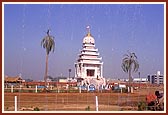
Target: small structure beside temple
point(89, 66)
point(16, 79)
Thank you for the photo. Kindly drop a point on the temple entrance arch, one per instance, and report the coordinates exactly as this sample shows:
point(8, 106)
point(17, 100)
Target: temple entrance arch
point(90, 72)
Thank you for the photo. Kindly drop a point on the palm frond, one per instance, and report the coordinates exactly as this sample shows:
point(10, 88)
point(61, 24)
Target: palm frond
point(130, 62)
point(125, 55)
point(48, 43)
point(136, 65)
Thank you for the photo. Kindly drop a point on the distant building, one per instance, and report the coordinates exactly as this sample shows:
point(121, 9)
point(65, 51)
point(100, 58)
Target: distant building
point(16, 79)
point(63, 80)
point(137, 80)
point(156, 78)
point(140, 80)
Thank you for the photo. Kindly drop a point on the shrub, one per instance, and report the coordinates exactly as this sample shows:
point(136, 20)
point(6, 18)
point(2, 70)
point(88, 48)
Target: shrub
point(87, 108)
point(30, 91)
point(16, 90)
point(36, 109)
point(141, 106)
point(124, 90)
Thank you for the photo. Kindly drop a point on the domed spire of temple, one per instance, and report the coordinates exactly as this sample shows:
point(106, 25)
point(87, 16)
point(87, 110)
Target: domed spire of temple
point(88, 39)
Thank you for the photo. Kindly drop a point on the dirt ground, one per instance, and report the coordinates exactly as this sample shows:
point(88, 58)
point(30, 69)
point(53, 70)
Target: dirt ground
point(76, 101)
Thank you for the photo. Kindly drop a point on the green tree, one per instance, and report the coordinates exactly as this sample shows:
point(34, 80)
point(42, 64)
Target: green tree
point(48, 44)
point(130, 64)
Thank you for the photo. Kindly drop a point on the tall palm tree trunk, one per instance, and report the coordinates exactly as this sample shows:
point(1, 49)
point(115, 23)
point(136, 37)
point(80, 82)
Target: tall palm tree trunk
point(46, 71)
point(129, 75)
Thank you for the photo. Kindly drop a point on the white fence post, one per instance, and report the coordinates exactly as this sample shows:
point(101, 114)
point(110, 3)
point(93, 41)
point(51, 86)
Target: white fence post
point(79, 89)
point(15, 103)
point(36, 88)
point(128, 89)
point(102, 88)
point(132, 90)
point(11, 88)
point(97, 104)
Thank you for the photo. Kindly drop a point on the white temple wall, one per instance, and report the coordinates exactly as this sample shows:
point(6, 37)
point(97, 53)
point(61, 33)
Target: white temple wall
point(95, 74)
point(90, 56)
point(101, 75)
point(89, 65)
point(88, 61)
point(81, 71)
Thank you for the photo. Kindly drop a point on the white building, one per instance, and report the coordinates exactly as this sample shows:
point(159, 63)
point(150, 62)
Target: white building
point(157, 78)
point(140, 80)
point(89, 66)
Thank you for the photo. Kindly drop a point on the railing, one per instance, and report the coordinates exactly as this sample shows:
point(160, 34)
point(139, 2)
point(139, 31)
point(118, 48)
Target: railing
point(60, 99)
point(85, 101)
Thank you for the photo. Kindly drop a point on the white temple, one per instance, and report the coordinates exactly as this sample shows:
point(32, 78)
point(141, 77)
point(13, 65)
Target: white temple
point(89, 66)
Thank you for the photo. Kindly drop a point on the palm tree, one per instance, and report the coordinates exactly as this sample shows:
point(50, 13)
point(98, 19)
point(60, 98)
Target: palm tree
point(130, 64)
point(47, 43)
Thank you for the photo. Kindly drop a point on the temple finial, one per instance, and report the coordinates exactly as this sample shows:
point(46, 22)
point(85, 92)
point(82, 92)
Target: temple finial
point(88, 30)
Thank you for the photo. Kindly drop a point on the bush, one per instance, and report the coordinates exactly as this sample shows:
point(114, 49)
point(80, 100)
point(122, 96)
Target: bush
point(142, 106)
point(124, 90)
point(118, 90)
point(87, 108)
point(30, 91)
point(36, 109)
point(16, 90)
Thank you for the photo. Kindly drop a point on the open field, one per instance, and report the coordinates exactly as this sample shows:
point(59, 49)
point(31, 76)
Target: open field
point(109, 101)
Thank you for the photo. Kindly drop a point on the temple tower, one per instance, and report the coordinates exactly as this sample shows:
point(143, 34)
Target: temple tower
point(89, 66)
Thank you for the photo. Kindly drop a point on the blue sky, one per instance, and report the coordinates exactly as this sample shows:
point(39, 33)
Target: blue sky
point(117, 28)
